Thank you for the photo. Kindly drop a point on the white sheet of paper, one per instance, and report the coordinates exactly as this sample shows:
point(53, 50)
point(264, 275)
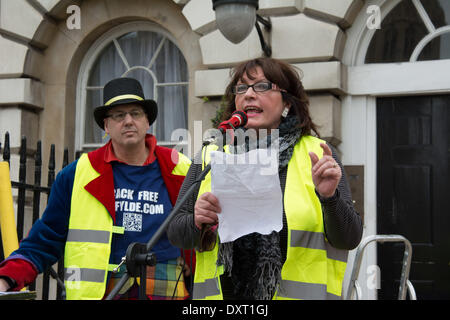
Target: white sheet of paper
point(249, 193)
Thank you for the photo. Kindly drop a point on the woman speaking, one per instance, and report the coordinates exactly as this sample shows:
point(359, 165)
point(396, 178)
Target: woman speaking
point(307, 258)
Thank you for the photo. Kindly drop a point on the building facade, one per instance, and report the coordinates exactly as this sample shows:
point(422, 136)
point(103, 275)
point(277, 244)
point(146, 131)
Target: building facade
point(375, 72)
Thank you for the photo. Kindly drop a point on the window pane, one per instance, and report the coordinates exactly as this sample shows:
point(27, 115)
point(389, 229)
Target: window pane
point(108, 66)
point(92, 132)
point(146, 81)
point(172, 110)
point(139, 47)
point(438, 11)
point(438, 48)
point(401, 30)
point(170, 65)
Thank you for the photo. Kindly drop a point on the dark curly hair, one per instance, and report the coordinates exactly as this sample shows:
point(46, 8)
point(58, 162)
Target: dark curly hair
point(285, 77)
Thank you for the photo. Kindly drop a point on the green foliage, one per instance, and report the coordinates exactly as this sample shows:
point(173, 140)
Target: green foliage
point(220, 110)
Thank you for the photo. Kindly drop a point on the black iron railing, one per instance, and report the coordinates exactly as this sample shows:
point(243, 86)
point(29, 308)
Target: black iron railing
point(37, 190)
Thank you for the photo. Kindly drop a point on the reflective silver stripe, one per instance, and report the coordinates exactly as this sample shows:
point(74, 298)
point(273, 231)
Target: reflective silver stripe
point(96, 236)
point(336, 254)
point(307, 239)
point(204, 289)
point(305, 291)
point(84, 274)
point(316, 240)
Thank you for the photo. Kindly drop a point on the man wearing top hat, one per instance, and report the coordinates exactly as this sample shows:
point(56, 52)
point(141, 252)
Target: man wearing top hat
point(105, 200)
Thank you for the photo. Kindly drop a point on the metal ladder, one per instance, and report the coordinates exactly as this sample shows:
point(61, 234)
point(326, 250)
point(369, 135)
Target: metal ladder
point(405, 284)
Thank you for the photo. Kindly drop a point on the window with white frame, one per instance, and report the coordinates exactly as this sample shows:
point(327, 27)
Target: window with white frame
point(147, 53)
point(415, 30)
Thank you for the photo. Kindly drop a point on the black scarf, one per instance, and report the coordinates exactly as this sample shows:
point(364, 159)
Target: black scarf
point(254, 260)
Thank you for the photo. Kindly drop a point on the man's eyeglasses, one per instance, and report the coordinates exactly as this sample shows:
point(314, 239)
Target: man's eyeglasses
point(119, 116)
point(257, 87)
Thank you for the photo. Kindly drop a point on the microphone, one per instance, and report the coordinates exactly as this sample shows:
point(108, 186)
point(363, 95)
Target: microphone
point(238, 119)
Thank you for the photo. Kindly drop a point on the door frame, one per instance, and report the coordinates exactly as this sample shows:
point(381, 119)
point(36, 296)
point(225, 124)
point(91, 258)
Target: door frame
point(359, 142)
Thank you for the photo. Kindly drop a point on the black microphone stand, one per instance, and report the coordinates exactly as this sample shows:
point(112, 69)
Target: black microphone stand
point(139, 256)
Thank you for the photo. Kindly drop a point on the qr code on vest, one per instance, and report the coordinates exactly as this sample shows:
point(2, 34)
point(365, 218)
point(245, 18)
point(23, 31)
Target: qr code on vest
point(132, 221)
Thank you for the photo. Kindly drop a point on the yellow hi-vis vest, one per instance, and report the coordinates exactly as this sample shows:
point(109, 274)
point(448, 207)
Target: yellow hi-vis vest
point(313, 268)
point(88, 245)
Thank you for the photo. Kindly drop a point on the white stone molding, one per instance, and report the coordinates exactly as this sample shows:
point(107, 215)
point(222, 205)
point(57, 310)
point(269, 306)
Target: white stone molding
point(47, 5)
point(279, 7)
point(316, 77)
point(342, 12)
point(325, 111)
point(19, 19)
point(12, 55)
point(210, 83)
point(22, 91)
point(324, 76)
point(407, 78)
point(300, 38)
point(200, 16)
point(219, 52)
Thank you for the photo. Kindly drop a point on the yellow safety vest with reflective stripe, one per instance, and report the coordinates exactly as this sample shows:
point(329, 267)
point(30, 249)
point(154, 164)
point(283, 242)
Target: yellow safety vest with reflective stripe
point(313, 268)
point(88, 245)
point(207, 273)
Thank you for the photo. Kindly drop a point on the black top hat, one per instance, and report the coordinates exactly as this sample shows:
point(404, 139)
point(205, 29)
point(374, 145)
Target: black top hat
point(122, 91)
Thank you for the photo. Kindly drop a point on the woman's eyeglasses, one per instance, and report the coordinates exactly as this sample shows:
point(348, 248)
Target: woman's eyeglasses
point(257, 87)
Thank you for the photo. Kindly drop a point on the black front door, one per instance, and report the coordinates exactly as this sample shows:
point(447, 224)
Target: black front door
point(413, 192)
